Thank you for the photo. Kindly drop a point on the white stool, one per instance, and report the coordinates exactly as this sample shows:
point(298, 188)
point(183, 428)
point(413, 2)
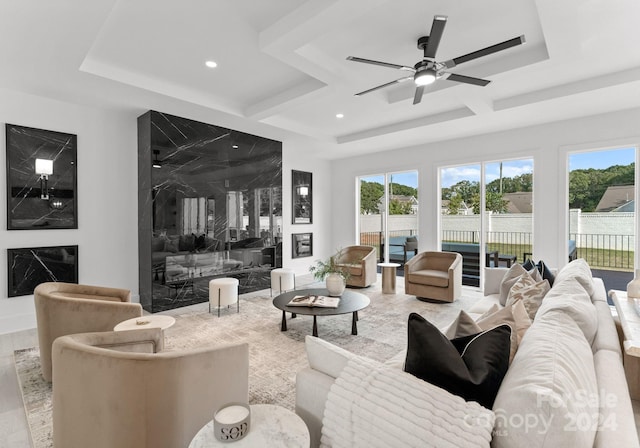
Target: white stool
point(223, 291)
point(282, 279)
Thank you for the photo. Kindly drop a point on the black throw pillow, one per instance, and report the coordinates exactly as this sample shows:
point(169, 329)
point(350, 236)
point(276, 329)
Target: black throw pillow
point(471, 367)
point(528, 264)
point(545, 272)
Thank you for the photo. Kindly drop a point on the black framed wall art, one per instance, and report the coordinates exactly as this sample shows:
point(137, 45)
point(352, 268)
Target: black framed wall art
point(301, 245)
point(30, 266)
point(302, 197)
point(41, 179)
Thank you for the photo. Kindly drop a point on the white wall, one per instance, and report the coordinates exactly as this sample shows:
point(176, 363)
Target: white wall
point(547, 144)
point(322, 217)
point(107, 209)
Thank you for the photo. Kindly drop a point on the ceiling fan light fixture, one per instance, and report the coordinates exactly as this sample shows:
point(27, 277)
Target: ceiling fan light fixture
point(425, 77)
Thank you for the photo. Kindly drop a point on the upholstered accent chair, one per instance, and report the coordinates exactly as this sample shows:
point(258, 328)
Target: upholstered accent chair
point(434, 276)
point(120, 389)
point(68, 308)
point(360, 261)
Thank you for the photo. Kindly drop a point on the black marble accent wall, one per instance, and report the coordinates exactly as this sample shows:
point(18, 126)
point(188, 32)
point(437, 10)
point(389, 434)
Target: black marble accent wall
point(209, 206)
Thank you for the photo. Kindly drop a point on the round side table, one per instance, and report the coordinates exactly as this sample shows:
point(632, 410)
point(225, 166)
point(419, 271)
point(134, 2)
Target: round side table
point(389, 277)
point(271, 425)
point(153, 321)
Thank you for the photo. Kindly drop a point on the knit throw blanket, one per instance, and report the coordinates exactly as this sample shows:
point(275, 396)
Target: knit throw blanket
point(373, 405)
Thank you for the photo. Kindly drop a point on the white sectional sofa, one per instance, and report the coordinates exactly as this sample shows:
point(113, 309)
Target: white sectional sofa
point(565, 387)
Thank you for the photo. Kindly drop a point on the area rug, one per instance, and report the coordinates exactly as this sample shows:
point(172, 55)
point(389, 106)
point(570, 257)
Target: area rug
point(274, 356)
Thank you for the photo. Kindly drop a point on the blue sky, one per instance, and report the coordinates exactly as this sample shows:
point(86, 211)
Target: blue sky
point(512, 168)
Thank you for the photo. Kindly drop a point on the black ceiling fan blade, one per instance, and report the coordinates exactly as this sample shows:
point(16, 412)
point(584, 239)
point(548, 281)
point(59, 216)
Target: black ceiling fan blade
point(437, 28)
point(382, 86)
point(417, 97)
point(468, 79)
point(485, 51)
point(383, 64)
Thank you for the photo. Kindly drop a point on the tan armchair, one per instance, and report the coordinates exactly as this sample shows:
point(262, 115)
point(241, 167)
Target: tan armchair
point(115, 389)
point(434, 276)
point(360, 261)
point(68, 308)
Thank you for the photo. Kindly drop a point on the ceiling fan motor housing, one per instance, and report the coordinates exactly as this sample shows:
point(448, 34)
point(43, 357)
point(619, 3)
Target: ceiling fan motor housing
point(422, 42)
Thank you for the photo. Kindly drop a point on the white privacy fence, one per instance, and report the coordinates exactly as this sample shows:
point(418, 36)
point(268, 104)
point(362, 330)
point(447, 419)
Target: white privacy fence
point(593, 230)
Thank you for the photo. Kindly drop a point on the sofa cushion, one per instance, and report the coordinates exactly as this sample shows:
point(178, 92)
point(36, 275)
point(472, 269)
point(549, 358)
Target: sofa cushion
point(471, 367)
point(530, 292)
point(430, 277)
point(187, 243)
point(569, 297)
point(579, 270)
point(549, 396)
point(325, 357)
point(157, 244)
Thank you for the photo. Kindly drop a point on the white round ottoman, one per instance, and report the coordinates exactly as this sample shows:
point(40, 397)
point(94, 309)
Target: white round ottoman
point(223, 291)
point(282, 279)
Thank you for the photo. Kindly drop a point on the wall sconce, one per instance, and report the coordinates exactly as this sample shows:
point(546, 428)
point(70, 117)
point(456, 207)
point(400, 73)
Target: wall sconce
point(156, 162)
point(303, 191)
point(44, 167)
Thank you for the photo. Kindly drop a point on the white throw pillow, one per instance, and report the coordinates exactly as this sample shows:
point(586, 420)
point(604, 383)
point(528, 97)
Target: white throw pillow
point(509, 279)
point(570, 298)
point(515, 315)
point(580, 270)
point(463, 325)
point(530, 292)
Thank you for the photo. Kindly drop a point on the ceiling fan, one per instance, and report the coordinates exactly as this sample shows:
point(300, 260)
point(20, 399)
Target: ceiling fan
point(428, 70)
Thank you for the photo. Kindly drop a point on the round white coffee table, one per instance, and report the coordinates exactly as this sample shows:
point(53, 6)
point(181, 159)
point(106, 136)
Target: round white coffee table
point(151, 321)
point(271, 425)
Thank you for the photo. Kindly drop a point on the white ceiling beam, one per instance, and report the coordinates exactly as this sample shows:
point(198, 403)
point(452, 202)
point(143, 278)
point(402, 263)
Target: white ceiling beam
point(405, 125)
point(568, 89)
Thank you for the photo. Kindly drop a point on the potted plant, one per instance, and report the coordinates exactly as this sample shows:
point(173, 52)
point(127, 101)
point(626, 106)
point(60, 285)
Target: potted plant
point(335, 275)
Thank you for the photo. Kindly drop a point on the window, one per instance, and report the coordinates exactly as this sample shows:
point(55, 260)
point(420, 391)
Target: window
point(601, 200)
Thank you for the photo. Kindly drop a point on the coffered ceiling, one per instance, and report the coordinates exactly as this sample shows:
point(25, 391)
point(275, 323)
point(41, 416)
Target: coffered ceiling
point(282, 70)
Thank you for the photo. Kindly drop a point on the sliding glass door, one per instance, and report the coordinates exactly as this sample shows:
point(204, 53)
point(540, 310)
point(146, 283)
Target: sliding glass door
point(502, 233)
point(388, 213)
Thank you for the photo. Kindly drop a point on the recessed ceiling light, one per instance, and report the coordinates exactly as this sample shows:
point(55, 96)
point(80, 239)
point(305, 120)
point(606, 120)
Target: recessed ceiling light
point(339, 115)
point(211, 64)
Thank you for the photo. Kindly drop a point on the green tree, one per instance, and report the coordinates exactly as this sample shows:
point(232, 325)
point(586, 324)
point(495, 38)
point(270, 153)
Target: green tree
point(399, 208)
point(455, 202)
point(370, 194)
point(586, 186)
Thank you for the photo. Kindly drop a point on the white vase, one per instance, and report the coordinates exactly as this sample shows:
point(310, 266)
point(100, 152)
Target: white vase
point(633, 287)
point(335, 284)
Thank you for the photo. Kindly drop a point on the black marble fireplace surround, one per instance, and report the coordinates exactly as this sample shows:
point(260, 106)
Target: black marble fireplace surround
point(209, 205)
